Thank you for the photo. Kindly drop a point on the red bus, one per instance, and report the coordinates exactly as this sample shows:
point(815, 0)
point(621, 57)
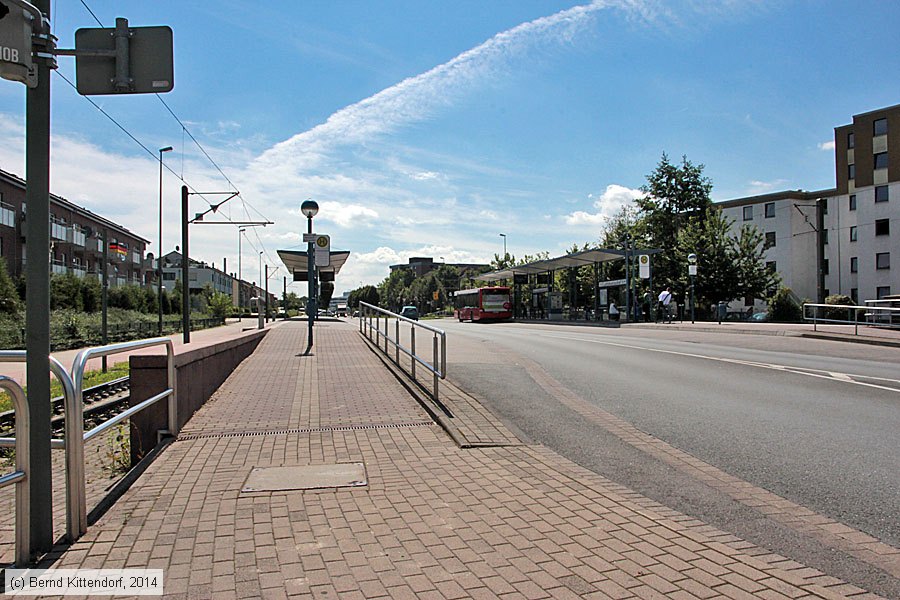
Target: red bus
point(487, 303)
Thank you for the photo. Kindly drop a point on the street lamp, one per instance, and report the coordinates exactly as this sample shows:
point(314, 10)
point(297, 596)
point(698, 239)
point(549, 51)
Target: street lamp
point(692, 272)
point(159, 271)
point(310, 208)
point(241, 231)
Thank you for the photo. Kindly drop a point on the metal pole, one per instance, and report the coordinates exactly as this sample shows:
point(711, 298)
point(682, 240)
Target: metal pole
point(627, 279)
point(185, 272)
point(104, 296)
point(267, 293)
point(284, 297)
point(692, 298)
point(159, 249)
point(311, 287)
point(240, 281)
point(37, 296)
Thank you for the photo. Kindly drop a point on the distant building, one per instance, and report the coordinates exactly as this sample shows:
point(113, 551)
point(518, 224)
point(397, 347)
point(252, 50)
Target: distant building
point(76, 233)
point(860, 217)
point(201, 274)
point(423, 265)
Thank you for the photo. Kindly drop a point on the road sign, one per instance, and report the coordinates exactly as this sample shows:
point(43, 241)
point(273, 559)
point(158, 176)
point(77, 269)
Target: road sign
point(309, 237)
point(15, 44)
point(124, 60)
point(644, 266)
point(692, 269)
point(323, 250)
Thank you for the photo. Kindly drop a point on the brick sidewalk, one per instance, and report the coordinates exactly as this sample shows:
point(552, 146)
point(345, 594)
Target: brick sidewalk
point(432, 521)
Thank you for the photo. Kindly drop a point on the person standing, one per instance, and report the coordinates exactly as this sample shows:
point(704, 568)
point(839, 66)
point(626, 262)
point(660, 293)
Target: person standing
point(646, 305)
point(662, 306)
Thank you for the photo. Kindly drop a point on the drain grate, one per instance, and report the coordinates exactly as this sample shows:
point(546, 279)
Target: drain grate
point(337, 428)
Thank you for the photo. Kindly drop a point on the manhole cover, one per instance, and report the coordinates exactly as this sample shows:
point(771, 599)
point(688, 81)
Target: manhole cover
point(305, 477)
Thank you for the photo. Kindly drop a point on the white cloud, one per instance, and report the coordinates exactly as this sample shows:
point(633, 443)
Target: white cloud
point(764, 187)
point(348, 215)
point(425, 176)
point(829, 145)
point(608, 204)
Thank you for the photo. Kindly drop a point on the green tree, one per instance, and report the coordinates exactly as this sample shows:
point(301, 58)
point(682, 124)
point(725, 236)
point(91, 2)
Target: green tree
point(219, 305)
point(65, 292)
point(91, 294)
point(9, 297)
point(675, 194)
point(366, 293)
point(394, 290)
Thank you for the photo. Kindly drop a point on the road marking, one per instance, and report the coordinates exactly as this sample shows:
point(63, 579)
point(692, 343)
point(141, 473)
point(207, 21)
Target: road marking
point(819, 373)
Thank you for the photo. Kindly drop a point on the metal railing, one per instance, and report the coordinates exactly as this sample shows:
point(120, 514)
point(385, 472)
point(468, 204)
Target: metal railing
point(370, 320)
point(20, 476)
point(75, 436)
point(872, 315)
point(76, 508)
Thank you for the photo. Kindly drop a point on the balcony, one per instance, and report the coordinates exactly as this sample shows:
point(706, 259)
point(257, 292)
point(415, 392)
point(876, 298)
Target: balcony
point(58, 267)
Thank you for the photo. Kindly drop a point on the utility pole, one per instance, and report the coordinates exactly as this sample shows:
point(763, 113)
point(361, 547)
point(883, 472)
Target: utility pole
point(37, 295)
point(820, 250)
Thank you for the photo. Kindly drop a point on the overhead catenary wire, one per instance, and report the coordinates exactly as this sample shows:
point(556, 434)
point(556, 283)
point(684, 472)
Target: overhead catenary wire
point(185, 131)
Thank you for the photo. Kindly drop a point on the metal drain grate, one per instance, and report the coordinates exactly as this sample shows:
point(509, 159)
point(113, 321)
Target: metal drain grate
point(229, 434)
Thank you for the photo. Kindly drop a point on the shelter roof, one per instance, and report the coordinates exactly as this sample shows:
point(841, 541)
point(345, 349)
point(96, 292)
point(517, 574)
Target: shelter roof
point(576, 259)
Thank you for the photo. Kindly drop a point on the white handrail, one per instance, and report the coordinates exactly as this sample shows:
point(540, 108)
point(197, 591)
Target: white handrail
point(438, 366)
point(76, 506)
point(23, 468)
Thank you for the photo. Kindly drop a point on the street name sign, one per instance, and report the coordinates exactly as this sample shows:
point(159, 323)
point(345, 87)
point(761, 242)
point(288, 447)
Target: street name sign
point(15, 44)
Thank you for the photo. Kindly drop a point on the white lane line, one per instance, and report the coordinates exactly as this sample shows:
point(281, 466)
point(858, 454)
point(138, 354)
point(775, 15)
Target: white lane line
point(821, 374)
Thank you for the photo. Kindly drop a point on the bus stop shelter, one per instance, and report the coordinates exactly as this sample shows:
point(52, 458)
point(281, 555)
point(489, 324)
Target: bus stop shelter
point(548, 302)
point(295, 262)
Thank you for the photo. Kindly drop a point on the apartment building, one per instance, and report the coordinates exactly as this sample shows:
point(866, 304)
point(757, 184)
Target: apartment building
point(76, 235)
point(858, 216)
point(201, 274)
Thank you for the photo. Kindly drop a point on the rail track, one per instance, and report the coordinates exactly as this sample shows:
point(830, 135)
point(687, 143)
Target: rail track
point(100, 403)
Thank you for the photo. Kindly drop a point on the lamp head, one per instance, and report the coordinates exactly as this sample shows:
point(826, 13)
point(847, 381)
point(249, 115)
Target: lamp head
point(309, 208)
point(166, 149)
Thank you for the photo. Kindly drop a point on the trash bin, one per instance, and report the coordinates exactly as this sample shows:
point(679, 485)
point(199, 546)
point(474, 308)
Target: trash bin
point(722, 310)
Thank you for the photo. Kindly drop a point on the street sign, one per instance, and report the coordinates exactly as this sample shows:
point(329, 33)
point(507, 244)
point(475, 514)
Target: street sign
point(124, 60)
point(644, 266)
point(301, 276)
point(692, 269)
point(309, 237)
point(323, 250)
point(15, 44)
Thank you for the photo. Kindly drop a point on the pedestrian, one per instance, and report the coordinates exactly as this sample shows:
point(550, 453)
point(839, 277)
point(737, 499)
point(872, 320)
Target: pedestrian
point(646, 304)
point(662, 305)
point(613, 312)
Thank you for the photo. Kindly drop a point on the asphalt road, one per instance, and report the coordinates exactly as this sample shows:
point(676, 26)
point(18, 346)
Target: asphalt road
point(816, 422)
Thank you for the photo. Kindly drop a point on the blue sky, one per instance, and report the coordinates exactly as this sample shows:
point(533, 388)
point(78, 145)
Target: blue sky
point(427, 128)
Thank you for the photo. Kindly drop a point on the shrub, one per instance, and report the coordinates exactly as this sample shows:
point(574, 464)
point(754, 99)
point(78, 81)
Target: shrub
point(841, 314)
point(783, 307)
point(9, 297)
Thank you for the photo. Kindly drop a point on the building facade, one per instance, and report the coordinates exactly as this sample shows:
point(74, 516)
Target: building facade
point(859, 218)
point(76, 238)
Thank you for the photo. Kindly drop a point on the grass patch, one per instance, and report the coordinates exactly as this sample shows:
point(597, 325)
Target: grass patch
point(91, 378)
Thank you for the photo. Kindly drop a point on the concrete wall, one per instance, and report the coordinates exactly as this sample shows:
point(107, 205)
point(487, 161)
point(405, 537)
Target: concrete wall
point(198, 374)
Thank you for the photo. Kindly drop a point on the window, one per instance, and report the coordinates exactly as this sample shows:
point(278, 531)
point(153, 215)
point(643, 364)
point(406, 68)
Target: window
point(825, 236)
point(853, 234)
point(883, 260)
point(825, 268)
point(881, 160)
point(7, 215)
point(854, 295)
point(854, 264)
point(851, 171)
point(770, 210)
point(824, 206)
point(851, 140)
point(770, 240)
point(852, 201)
point(881, 193)
point(879, 127)
point(882, 227)
point(882, 291)
point(748, 213)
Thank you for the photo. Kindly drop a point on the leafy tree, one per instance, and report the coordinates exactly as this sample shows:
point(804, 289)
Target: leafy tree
point(91, 294)
point(65, 292)
point(675, 194)
point(219, 304)
point(366, 293)
point(9, 297)
point(394, 290)
point(783, 306)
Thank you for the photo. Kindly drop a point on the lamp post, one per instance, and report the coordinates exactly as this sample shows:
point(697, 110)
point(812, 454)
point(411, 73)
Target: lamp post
point(503, 235)
point(159, 271)
point(692, 272)
point(259, 312)
point(241, 231)
point(310, 208)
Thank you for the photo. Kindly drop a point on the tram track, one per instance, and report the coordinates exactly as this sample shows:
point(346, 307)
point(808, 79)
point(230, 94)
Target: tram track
point(100, 403)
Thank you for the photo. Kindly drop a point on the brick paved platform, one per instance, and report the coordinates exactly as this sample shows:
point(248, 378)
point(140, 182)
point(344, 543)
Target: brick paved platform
point(434, 520)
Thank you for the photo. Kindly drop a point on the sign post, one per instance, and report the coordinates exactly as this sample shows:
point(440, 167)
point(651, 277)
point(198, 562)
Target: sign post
point(692, 272)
